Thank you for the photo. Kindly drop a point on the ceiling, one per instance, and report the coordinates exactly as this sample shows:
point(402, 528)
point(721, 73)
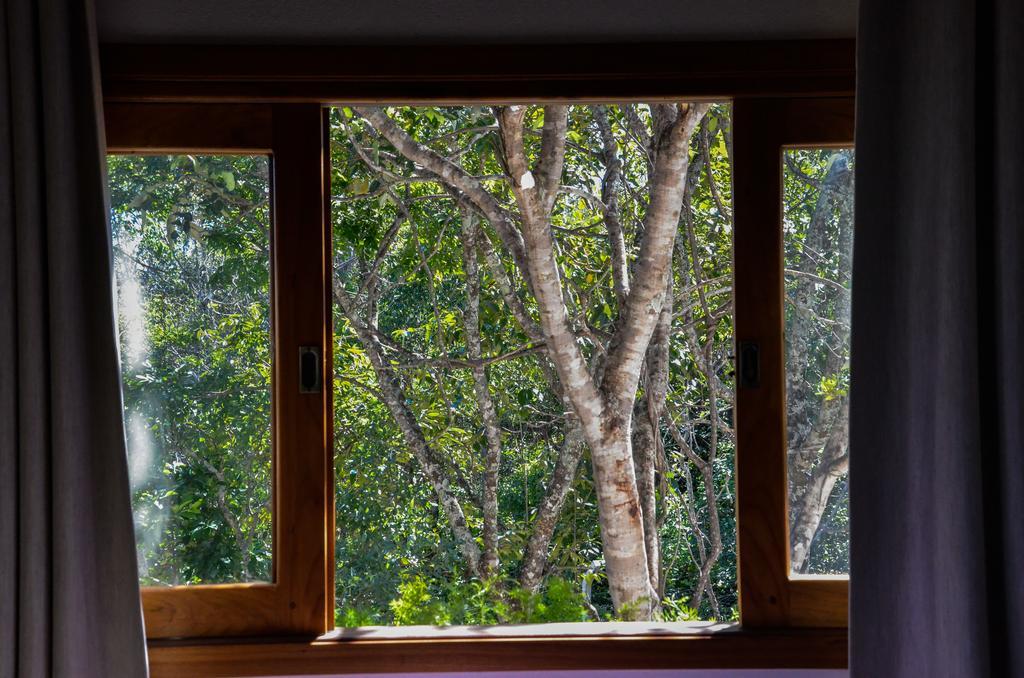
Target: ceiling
point(341, 22)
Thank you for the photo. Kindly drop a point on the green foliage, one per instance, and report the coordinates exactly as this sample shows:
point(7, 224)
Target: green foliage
point(191, 245)
point(677, 610)
point(477, 603)
point(835, 386)
point(416, 605)
point(351, 617)
point(560, 601)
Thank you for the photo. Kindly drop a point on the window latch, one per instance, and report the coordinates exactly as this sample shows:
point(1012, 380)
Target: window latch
point(310, 378)
point(749, 367)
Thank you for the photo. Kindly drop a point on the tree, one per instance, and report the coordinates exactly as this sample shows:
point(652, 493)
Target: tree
point(819, 237)
point(192, 258)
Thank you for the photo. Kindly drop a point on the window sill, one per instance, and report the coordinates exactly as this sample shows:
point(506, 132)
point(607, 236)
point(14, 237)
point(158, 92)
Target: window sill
point(587, 646)
point(558, 630)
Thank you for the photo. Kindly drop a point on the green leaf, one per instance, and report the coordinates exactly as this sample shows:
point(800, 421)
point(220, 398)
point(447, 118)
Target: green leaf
point(229, 180)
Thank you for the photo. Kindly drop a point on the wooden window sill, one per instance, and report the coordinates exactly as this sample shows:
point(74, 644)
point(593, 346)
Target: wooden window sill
point(587, 646)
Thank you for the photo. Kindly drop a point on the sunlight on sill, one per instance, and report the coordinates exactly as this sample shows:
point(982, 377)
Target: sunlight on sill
point(556, 630)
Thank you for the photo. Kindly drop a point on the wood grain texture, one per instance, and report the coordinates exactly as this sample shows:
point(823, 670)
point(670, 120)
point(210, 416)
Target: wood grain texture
point(480, 73)
point(300, 253)
point(727, 649)
point(769, 597)
point(760, 412)
point(213, 610)
point(171, 128)
point(819, 601)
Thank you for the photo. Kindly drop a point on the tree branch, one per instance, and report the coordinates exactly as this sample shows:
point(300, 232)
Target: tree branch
point(629, 344)
point(452, 175)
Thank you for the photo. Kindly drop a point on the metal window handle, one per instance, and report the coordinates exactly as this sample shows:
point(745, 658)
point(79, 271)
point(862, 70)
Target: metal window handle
point(310, 378)
point(749, 364)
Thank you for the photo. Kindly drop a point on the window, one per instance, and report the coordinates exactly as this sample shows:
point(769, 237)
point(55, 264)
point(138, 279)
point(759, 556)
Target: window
point(408, 356)
point(191, 236)
point(465, 491)
point(214, 220)
point(768, 232)
point(818, 233)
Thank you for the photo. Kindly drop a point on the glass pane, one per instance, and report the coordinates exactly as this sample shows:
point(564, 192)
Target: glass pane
point(192, 259)
point(451, 440)
point(818, 232)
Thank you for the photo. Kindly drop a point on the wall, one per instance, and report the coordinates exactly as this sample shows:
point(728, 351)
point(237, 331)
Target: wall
point(469, 21)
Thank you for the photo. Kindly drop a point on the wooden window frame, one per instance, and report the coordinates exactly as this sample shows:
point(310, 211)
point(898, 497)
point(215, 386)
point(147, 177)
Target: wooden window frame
point(300, 597)
point(274, 100)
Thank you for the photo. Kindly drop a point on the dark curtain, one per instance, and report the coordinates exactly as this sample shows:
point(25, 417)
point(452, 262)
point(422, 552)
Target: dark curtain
point(69, 594)
point(937, 400)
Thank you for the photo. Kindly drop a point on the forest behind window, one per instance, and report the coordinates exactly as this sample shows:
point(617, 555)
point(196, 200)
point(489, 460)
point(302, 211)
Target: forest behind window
point(533, 375)
point(466, 486)
point(191, 237)
point(818, 238)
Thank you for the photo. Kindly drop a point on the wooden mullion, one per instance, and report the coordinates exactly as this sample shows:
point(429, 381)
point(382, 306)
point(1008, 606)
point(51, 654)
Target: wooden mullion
point(300, 319)
point(762, 541)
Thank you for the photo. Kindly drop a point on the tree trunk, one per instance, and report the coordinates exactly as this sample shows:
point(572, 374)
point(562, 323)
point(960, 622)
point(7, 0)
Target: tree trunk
point(535, 557)
point(812, 502)
point(481, 390)
point(647, 445)
point(610, 184)
point(802, 404)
